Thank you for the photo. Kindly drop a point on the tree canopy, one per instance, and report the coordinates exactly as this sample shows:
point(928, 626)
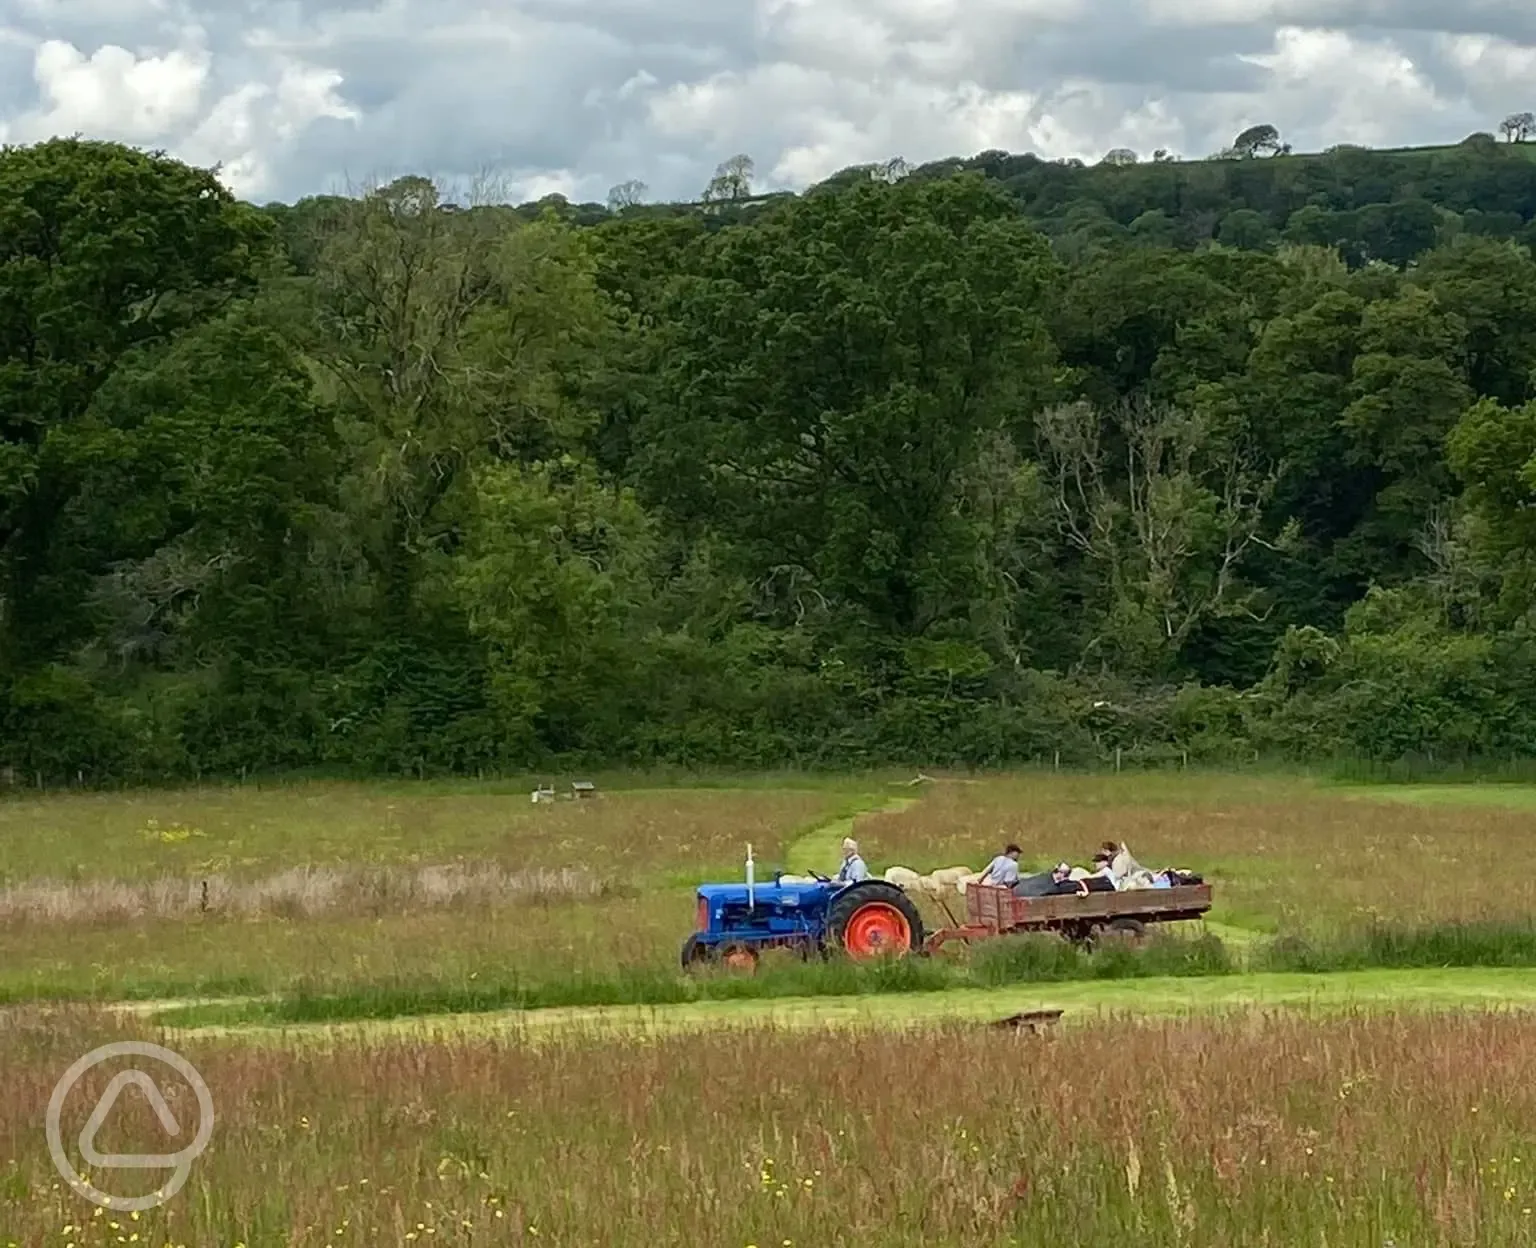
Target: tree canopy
point(973, 462)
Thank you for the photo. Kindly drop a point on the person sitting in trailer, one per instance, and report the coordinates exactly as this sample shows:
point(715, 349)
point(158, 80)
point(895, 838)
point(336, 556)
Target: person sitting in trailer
point(1102, 879)
point(853, 869)
point(1003, 870)
point(1056, 882)
point(1127, 873)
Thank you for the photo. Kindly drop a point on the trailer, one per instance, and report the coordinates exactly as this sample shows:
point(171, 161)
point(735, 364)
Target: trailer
point(992, 911)
point(735, 923)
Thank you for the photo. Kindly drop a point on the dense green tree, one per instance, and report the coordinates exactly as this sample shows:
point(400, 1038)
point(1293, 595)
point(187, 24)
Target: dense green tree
point(1166, 503)
point(105, 254)
point(830, 376)
point(1407, 390)
point(1493, 451)
point(980, 461)
point(1491, 287)
point(441, 338)
point(636, 261)
point(556, 574)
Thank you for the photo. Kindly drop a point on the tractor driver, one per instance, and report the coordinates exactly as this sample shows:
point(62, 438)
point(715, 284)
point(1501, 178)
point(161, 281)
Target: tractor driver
point(853, 869)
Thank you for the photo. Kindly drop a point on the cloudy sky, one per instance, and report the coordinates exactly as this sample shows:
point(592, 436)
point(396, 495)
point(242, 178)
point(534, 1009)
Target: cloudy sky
point(294, 97)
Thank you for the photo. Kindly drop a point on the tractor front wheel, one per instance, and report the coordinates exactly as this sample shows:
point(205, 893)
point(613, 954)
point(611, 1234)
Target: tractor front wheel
point(739, 957)
point(874, 919)
point(694, 953)
point(734, 956)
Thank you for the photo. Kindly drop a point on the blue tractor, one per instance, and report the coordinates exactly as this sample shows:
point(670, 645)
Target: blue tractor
point(736, 922)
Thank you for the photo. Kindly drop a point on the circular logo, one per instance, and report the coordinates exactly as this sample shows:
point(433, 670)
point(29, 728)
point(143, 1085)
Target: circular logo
point(179, 1163)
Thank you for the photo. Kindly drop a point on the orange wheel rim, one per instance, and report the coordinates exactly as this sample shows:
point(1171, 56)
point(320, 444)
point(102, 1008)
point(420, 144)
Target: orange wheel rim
point(740, 959)
point(877, 928)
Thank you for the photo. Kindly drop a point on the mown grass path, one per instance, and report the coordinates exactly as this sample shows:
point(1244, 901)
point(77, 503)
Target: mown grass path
point(1450, 989)
point(822, 847)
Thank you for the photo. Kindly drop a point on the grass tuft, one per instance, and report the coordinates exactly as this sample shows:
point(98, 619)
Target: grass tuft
point(1398, 947)
point(1046, 959)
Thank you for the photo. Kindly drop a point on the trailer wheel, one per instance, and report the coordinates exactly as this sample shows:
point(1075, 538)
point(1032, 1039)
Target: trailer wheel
point(1079, 933)
point(1132, 930)
point(875, 919)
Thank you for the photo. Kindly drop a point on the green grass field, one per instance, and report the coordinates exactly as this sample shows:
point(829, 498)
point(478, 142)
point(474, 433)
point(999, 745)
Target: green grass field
point(1081, 1003)
point(1503, 796)
point(418, 890)
point(442, 1014)
point(327, 885)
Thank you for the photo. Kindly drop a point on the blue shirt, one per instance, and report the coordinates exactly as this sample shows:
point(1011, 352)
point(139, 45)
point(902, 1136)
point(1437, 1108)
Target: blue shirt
point(1002, 870)
point(852, 871)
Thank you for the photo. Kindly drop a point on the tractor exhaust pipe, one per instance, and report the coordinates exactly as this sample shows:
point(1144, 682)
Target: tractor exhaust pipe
point(751, 880)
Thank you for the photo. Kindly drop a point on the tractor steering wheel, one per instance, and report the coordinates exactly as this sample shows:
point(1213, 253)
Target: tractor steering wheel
point(820, 878)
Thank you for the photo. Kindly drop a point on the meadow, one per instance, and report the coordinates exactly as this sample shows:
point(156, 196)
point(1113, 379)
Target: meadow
point(326, 884)
point(1212, 1089)
point(1259, 1130)
point(386, 900)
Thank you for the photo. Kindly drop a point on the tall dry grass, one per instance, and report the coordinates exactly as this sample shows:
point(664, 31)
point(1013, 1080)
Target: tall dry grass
point(300, 892)
point(1258, 1131)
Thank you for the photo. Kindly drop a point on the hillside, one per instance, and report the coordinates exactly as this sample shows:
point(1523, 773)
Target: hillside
point(1210, 458)
point(1387, 203)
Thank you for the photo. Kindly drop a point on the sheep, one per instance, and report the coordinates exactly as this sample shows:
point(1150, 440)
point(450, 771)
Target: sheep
point(902, 877)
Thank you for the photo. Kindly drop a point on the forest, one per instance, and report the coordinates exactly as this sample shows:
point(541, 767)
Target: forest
point(980, 462)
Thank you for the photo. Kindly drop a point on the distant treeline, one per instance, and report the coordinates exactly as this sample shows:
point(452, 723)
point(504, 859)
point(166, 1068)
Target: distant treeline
point(977, 462)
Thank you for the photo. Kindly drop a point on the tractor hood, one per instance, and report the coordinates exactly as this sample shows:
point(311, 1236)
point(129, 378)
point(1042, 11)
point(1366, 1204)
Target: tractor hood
point(766, 894)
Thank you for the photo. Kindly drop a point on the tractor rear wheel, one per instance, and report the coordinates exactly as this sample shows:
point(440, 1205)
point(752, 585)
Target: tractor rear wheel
point(874, 919)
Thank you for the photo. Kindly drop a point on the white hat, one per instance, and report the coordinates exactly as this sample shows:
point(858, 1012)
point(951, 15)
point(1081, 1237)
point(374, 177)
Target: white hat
point(850, 845)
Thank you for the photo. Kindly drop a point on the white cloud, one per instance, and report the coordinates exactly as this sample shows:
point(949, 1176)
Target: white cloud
point(162, 97)
point(293, 96)
point(1365, 91)
point(1489, 57)
point(47, 11)
point(112, 93)
point(245, 128)
point(532, 186)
